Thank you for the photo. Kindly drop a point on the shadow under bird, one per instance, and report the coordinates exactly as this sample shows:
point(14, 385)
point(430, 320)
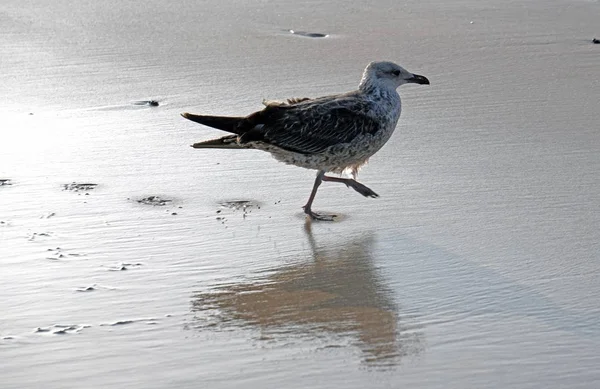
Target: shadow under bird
point(334, 133)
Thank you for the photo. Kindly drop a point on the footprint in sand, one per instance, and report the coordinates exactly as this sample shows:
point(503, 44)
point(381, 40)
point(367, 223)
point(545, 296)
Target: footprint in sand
point(246, 206)
point(79, 187)
point(154, 200)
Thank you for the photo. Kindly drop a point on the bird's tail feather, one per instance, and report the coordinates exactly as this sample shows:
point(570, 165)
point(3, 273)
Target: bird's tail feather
point(224, 123)
point(226, 142)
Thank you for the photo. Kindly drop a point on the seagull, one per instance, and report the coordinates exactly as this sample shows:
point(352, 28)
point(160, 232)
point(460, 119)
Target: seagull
point(336, 133)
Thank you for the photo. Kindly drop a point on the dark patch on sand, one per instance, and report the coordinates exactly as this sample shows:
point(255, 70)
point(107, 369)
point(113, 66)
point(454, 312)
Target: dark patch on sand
point(133, 105)
point(79, 187)
point(5, 182)
point(308, 34)
point(149, 103)
point(154, 200)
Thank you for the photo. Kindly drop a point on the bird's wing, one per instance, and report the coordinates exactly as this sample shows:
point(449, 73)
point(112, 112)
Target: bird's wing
point(311, 126)
point(293, 100)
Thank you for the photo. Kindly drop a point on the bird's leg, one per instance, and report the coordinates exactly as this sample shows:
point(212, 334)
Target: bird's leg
point(351, 183)
point(308, 206)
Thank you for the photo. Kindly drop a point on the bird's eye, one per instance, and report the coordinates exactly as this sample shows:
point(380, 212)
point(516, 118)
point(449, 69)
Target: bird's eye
point(396, 72)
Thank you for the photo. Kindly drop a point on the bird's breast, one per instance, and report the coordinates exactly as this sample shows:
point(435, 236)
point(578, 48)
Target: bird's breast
point(385, 105)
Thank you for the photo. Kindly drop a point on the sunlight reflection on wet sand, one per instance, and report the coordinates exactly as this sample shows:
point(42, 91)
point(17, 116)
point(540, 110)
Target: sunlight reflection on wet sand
point(337, 294)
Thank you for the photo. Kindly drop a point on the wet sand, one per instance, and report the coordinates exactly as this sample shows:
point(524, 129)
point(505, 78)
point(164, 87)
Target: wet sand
point(129, 259)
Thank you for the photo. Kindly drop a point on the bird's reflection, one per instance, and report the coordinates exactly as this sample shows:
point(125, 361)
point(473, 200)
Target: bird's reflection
point(337, 295)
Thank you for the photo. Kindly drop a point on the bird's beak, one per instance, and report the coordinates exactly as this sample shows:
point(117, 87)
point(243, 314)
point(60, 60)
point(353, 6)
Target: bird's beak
point(417, 79)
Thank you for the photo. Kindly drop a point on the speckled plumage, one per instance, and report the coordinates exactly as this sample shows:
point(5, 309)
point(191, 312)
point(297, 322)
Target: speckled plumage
point(329, 134)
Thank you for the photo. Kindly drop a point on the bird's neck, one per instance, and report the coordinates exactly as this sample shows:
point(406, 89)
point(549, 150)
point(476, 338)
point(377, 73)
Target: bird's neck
point(385, 98)
point(376, 87)
point(379, 91)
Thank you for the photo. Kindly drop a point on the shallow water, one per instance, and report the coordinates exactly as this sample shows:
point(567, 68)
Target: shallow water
point(477, 266)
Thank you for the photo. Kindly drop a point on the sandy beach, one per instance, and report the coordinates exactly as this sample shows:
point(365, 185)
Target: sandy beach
point(130, 260)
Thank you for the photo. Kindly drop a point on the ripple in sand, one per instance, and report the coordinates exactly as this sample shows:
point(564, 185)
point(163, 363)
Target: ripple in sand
point(36, 235)
point(124, 266)
point(94, 287)
point(119, 323)
point(85, 289)
point(154, 200)
point(58, 254)
point(61, 329)
point(308, 34)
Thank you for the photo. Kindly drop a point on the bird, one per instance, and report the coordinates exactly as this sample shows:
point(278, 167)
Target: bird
point(331, 134)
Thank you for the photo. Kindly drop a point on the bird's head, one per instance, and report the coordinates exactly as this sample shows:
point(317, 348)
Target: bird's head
point(388, 75)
